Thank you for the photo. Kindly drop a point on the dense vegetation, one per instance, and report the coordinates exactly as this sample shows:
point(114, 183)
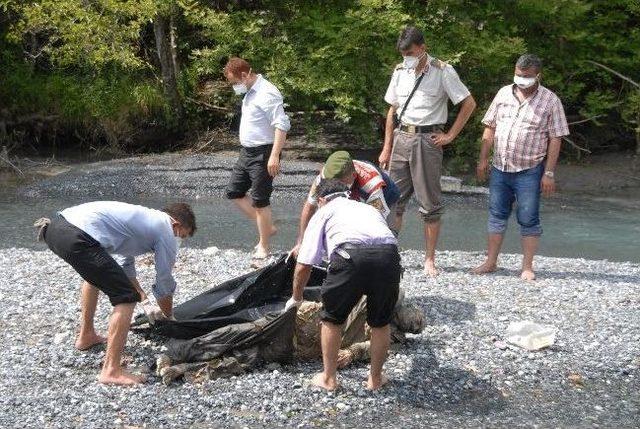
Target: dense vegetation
point(106, 73)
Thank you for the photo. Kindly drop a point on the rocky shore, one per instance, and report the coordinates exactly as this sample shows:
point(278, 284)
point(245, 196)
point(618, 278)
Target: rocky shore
point(457, 373)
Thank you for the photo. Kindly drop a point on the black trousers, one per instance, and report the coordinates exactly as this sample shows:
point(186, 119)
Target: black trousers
point(373, 271)
point(250, 172)
point(90, 260)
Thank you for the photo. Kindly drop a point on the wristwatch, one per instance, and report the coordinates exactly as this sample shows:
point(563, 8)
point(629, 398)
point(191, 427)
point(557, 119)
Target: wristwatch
point(549, 174)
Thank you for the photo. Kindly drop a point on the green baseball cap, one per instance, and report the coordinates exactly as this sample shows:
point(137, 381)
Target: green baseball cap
point(336, 164)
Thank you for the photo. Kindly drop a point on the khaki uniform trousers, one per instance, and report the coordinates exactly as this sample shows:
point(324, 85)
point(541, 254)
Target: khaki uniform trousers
point(416, 166)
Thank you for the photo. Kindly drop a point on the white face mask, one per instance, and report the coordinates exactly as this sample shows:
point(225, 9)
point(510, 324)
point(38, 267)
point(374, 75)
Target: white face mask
point(410, 62)
point(240, 88)
point(524, 82)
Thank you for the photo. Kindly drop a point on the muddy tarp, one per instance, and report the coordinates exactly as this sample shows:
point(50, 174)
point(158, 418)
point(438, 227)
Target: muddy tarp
point(246, 298)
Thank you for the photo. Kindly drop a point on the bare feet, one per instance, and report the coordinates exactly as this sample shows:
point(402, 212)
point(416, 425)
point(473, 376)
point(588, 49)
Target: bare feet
point(528, 275)
point(485, 268)
point(321, 381)
point(430, 268)
point(260, 253)
point(85, 342)
point(377, 382)
point(120, 378)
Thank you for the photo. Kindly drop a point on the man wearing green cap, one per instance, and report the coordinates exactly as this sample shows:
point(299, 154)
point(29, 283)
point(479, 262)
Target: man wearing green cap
point(367, 183)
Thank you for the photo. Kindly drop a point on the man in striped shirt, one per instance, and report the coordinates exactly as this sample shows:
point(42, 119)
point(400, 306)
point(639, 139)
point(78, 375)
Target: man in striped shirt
point(525, 125)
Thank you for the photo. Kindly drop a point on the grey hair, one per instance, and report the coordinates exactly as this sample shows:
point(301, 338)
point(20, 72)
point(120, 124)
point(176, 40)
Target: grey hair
point(408, 37)
point(528, 62)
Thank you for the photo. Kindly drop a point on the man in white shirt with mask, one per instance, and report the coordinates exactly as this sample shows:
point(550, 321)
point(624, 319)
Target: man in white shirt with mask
point(100, 241)
point(263, 131)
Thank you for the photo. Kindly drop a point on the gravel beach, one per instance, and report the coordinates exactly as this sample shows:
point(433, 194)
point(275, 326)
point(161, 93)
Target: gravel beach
point(458, 373)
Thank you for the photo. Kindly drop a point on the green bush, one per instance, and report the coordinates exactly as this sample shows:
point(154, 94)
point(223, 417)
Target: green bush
point(97, 61)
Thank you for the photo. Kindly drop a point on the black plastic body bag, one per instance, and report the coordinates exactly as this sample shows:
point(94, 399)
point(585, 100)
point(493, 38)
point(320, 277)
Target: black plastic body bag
point(246, 298)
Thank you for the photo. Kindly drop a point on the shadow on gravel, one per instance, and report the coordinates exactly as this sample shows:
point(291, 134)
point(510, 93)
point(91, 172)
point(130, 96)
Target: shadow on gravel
point(429, 385)
point(444, 311)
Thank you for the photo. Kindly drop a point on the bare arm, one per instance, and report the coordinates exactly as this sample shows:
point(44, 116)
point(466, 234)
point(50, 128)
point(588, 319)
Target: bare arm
point(548, 184)
point(273, 165)
point(467, 106)
point(385, 155)
point(136, 285)
point(166, 305)
point(305, 216)
point(300, 279)
point(487, 143)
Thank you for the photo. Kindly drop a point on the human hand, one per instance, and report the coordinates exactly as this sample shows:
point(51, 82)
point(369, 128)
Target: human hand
point(384, 158)
point(442, 139)
point(153, 312)
point(482, 170)
point(273, 165)
point(548, 185)
point(344, 358)
point(292, 303)
point(293, 253)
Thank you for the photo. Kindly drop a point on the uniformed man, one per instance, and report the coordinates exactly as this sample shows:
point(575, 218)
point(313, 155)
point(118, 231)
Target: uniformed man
point(413, 149)
point(367, 183)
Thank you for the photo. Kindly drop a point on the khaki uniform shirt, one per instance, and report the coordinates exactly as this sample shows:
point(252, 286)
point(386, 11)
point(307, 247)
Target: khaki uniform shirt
point(428, 106)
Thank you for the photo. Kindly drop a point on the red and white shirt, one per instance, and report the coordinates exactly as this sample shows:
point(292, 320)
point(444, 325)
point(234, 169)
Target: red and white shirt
point(523, 130)
point(367, 188)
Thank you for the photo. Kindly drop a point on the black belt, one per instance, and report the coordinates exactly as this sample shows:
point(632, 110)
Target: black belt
point(350, 246)
point(257, 149)
point(420, 129)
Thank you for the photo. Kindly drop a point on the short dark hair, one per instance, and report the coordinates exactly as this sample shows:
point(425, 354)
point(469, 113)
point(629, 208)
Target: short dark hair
point(330, 186)
point(408, 37)
point(528, 62)
point(183, 213)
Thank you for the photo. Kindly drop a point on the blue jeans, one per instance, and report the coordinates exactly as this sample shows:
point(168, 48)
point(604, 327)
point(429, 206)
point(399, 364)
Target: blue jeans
point(522, 188)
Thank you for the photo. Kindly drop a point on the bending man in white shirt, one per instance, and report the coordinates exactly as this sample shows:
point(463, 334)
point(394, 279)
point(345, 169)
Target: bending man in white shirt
point(100, 241)
point(363, 260)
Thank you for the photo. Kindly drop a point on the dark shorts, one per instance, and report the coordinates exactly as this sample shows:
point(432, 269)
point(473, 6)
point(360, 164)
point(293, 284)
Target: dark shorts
point(373, 271)
point(90, 260)
point(250, 172)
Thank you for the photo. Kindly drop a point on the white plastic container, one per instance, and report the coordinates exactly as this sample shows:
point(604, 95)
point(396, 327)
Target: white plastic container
point(530, 336)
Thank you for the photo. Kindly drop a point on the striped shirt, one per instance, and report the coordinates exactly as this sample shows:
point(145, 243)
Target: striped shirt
point(523, 130)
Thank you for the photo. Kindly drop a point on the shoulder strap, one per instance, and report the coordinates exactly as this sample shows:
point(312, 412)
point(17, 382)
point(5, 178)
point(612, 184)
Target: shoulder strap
point(415, 86)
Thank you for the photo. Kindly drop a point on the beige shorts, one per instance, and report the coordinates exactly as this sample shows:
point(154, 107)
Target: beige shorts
point(416, 166)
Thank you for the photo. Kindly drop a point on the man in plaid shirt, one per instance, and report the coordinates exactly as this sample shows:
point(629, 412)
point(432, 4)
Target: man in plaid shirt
point(525, 125)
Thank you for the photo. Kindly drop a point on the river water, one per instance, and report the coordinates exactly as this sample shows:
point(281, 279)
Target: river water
point(574, 226)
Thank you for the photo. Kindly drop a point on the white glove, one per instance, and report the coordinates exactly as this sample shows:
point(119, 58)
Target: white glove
point(153, 312)
point(292, 303)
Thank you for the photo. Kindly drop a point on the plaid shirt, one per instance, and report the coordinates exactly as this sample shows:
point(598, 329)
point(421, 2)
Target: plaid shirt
point(523, 129)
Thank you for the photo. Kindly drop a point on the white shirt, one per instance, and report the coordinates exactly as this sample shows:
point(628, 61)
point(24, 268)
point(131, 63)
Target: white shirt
point(125, 231)
point(342, 221)
point(262, 113)
point(428, 106)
